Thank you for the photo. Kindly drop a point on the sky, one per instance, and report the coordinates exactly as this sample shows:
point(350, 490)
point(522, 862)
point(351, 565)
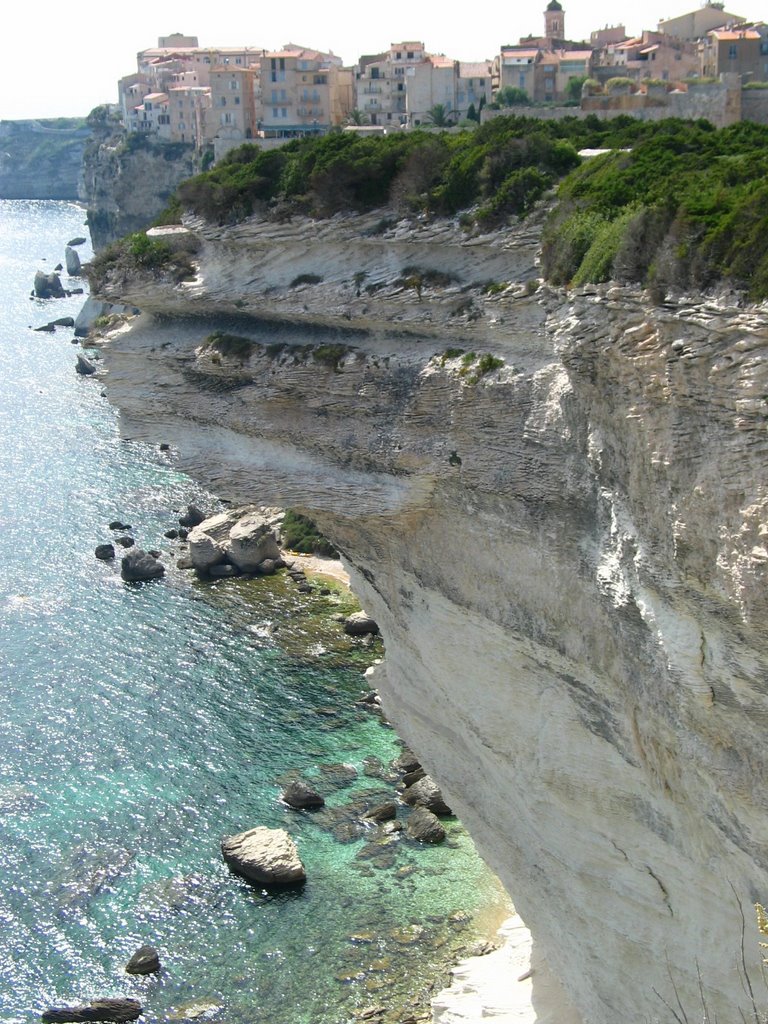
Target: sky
point(67, 59)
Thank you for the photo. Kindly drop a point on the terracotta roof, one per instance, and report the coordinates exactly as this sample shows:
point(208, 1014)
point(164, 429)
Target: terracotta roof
point(513, 52)
point(729, 36)
point(438, 61)
point(156, 96)
point(574, 54)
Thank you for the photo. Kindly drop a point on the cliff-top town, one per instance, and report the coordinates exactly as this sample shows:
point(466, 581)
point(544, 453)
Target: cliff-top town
point(223, 96)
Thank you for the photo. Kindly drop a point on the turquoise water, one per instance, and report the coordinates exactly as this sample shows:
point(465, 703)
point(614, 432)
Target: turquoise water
point(139, 725)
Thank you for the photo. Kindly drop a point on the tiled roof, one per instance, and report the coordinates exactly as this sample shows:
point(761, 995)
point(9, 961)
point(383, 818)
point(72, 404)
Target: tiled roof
point(731, 37)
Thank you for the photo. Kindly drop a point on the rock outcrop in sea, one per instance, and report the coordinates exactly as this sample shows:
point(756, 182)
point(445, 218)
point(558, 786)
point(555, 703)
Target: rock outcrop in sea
point(267, 856)
point(555, 506)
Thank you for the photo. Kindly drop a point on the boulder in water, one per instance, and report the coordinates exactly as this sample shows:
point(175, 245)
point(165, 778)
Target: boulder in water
point(300, 795)
point(425, 827)
point(117, 1010)
point(252, 540)
point(426, 793)
point(72, 261)
point(84, 366)
point(105, 552)
point(48, 286)
point(139, 566)
point(360, 624)
point(146, 960)
point(384, 812)
point(264, 855)
point(192, 517)
point(80, 240)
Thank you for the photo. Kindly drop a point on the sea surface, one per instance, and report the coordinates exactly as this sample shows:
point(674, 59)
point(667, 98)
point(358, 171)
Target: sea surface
point(139, 724)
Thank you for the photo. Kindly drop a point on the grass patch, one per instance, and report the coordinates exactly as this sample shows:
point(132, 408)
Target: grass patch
point(230, 345)
point(330, 355)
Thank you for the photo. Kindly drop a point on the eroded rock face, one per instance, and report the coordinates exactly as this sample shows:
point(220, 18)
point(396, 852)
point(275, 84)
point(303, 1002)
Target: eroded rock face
point(566, 556)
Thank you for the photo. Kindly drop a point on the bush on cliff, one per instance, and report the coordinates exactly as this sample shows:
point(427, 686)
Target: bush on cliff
point(135, 255)
point(300, 534)
point(687, 207)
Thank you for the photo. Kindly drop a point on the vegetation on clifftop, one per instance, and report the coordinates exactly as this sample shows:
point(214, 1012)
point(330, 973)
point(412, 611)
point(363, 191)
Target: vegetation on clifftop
point(137, 254)
point(687, 207)
point(504, 166)
point(676, 204)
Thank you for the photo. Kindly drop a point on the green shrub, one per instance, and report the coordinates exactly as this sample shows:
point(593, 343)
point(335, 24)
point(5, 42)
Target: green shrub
point(299, 533)
point(306, 279)
point(231, 345)
point(329, 355)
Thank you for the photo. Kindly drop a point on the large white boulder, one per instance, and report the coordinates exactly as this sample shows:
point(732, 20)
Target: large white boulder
point(244, 536)
point(265, 855)
point(251, 540)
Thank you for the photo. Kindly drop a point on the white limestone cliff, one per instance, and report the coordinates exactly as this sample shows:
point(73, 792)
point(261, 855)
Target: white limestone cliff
point(566, 555)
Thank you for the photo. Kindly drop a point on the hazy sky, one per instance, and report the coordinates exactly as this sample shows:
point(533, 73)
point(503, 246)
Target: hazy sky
point(63, 60)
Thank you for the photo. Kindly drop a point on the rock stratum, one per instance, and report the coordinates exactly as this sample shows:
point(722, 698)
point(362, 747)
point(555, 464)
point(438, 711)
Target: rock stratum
point(562, 532)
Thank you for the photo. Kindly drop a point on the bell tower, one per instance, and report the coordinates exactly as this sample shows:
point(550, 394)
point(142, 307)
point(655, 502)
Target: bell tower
point(554, 20)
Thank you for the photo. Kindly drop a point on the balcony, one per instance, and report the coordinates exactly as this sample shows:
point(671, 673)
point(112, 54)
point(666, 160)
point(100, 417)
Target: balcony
point(371, 90)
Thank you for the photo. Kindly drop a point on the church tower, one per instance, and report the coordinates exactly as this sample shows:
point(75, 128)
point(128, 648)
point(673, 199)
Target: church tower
point(554, 20)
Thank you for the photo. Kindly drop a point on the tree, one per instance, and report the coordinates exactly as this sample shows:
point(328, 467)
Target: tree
point(510, 96)
point(574, 87)
point(472, 114)
point(356, 117)
point(441, 115)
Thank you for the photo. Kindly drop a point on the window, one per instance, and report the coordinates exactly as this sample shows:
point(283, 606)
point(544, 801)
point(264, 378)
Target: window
point(237, 101)
point(409, 55)
point(399, 55)
point(283, 112)
point(274, 112)
point(764, 48)
point(223, 101)
point(732, 52)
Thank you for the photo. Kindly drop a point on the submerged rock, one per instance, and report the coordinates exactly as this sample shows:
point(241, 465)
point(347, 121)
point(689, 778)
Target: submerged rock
point(264, 855)
point(146, 960)
point(383, 812)
point(139, 566)
point(117, 1010)
point(301, 795)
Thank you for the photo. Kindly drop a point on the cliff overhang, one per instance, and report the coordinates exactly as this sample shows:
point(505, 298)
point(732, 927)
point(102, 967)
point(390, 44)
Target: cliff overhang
point(555, 505)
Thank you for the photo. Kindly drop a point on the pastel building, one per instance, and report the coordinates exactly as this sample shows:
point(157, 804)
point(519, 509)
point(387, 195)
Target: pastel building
point(452, 84)
point(303, 91)
point(382, 82)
